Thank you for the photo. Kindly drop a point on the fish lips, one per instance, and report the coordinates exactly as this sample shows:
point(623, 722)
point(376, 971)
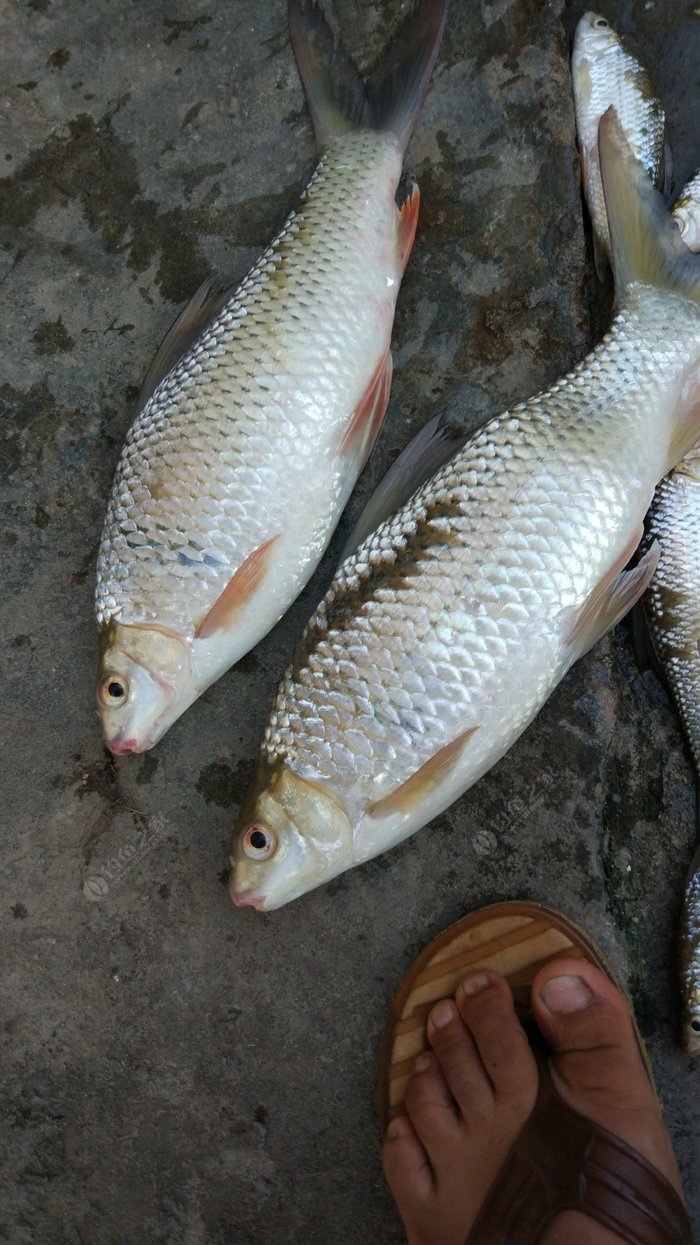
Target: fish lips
point(247, 899)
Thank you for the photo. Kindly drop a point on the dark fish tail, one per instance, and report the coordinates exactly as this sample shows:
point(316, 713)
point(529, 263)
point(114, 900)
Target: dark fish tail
point(390, 99)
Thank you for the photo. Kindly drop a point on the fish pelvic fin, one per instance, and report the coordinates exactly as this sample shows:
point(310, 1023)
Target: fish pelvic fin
point(646, 244)
point(239, 590)
point(420, 785)
point(613, 597)
point(390, 99)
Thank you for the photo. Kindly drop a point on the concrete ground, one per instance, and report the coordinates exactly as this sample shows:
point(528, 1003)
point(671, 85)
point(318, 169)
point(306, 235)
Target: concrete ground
point(174, 1070)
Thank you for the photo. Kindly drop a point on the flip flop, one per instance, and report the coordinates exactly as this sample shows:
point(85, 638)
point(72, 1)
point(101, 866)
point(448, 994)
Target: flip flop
point(560, 1160)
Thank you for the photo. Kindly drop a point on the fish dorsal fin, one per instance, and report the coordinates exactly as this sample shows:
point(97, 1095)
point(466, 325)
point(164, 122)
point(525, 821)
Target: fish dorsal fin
point(646, 245)
point(408, 223)
point(432, 446)
point(612, 598)
point(202, 309)
point(237, 592)
point(420, 785)
point(339, 99)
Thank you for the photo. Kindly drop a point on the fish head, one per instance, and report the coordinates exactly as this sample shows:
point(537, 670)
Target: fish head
point(594, 37)
point(143, 677)
point(691, 1024)
point(292, 834)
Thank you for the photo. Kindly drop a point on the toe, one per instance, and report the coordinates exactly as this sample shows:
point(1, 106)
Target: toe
point(430, 1106)
point(586, 1020)
point(406, 1168)
point(459, 1060)
point(485, 1002)
point(596, 1063)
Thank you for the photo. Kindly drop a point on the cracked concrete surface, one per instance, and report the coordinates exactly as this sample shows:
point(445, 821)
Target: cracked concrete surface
point(174, 1070)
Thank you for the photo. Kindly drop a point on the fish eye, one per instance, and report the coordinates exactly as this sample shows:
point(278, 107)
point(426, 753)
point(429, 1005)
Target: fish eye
point(259, 842)
point(600, 23)
point(113, 690)
point(695, 1025)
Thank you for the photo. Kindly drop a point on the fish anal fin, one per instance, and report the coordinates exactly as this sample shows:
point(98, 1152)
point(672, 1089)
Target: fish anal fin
point(237, 592)
point(408, 223)
point(416, 788)
point(613, 597)
point(368, 416)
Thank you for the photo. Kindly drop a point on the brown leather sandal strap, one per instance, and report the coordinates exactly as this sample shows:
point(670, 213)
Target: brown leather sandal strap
point(563, 1161)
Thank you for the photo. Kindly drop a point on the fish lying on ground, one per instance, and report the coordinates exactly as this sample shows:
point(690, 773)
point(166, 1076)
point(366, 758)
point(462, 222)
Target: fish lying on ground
point(604, 74)
point(262, 407)
point(443, 634)
point(672, 602)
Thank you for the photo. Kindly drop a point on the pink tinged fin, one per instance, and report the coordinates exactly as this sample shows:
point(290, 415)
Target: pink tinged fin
point(613, 597)
point(420, 785)
point(238, 591)
point(365, 424)
point(408, 222)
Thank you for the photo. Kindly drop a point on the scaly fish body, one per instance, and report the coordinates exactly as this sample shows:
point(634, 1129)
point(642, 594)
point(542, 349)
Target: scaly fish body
point(442, 636)
point(672, 602)
point(690, 958)
point(238, 467)
point(605, 74)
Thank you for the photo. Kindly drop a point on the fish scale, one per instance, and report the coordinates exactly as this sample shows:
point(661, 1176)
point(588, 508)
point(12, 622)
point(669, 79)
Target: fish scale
point(499, 568)
point(175, 529)
point(673, 599)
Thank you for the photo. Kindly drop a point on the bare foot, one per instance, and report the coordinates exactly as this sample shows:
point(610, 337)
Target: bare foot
point(467, 1100)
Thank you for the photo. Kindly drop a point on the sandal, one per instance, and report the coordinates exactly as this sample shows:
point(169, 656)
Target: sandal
point(560, 1160)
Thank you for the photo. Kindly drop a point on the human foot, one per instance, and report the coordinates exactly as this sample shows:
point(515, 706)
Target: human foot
point(468, 1100)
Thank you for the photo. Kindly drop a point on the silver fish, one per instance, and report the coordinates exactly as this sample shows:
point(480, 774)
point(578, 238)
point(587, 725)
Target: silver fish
point(443, 634)
point(212, 529)
point(689, 946)
point(686, 212)
point(604, 74)
point(672, 602)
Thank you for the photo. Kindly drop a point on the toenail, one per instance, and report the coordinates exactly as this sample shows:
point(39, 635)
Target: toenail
point(475, 983)
point(422, 1063)
point(566, 994)
point(442, 1014)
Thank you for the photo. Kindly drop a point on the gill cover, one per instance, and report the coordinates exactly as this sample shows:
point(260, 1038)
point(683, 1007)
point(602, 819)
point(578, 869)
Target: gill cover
point(291, 835)
point(144, 672)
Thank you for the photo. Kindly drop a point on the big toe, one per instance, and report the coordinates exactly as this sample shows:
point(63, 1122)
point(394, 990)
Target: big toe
point(596, 1062)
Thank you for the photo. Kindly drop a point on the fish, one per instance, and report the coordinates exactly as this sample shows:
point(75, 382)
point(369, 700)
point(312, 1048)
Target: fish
point(604, 74)
point(667, 635)
point(686, 212)
point(263, 403)
point(444, 632)
point(690, 958)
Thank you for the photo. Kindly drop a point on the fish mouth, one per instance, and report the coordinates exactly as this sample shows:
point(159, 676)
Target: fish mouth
point(246, 899)
point(119, 746)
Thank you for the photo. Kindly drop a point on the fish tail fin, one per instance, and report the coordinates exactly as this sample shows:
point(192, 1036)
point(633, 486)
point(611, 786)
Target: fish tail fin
point(390, 99)
point(645, 242)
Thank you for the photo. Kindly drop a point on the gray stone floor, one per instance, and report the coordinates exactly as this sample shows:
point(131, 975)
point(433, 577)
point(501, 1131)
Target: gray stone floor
point(175, 1070)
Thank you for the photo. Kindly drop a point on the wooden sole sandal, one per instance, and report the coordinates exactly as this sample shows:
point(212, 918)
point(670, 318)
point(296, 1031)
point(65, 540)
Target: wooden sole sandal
point(560, 1160)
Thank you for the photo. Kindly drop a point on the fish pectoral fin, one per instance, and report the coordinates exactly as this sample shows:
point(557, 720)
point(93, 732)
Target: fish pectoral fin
point(203, 307)
point(612, 598)
point(365, 424)
point(237, 592)
point(416, 788)
point(408, 223)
